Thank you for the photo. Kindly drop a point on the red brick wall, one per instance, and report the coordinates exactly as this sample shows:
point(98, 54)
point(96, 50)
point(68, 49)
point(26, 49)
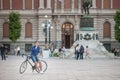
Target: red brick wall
point(99, 4)
point(6, 4)
point(36, 4)
point(116, 4)
point(67, 4)
point(17, 4)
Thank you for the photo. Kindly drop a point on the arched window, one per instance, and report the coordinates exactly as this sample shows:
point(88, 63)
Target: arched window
point(6, 30)
point(28, 30)
point(107, 30)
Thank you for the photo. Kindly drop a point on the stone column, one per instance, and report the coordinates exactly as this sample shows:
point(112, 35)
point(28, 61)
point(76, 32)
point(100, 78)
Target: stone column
point(49, 4)
point(10, 4)
point(72, 5)
point(23, 4)
point(94, 4)
point(62, 5)
point(32, 4)
point(55, 6)
point(79, 6)
point(102, 4)
point(111, 4)
point(1, 4)
point(41, 4)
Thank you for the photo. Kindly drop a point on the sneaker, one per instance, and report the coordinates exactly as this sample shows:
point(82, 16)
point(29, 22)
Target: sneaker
point(41, 72)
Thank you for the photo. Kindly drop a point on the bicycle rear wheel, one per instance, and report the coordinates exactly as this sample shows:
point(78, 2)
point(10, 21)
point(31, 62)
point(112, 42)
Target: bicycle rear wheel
point(44, 66)
point(23, 67)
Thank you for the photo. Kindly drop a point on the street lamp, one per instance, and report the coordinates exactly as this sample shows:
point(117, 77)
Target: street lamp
point(47, 25)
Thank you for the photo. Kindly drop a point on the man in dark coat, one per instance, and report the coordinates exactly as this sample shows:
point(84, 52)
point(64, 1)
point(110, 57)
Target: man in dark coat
point(2, 49)
point(81, 52)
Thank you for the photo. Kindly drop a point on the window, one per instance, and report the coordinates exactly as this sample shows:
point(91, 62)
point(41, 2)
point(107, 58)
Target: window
point(6, 4)
point(6, 30)
point(28, 4)
point(28, 47)
point(107, 4)
point(107, 30)
point(28, 30)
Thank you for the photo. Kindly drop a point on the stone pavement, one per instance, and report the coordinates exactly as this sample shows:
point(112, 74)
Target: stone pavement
point(63, 69)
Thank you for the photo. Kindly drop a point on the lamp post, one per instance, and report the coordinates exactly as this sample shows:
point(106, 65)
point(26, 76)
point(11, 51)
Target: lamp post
point(47, 25)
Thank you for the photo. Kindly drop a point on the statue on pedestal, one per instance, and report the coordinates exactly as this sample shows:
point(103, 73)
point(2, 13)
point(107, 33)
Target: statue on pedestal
point(86, 4)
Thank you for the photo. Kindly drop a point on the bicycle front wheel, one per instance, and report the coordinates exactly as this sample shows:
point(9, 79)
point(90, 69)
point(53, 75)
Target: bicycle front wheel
point(23, 67)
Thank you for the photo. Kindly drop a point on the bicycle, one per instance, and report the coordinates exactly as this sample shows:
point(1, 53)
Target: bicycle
point(24, 64)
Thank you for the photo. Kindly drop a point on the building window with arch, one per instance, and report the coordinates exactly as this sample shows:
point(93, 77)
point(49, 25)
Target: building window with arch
point(28, 30)
point(107, 30)
point(6, 30)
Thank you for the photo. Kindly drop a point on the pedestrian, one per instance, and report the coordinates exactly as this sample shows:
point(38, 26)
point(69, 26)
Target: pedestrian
point(2, 49)
point(18, 51)
point(63, 52)
point(117, 51)
point(6, 51)
point(87, 53)
point(81, 52)
point(76, 50)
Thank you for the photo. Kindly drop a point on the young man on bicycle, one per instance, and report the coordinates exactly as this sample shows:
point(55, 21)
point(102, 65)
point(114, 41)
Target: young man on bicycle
point(35, 53)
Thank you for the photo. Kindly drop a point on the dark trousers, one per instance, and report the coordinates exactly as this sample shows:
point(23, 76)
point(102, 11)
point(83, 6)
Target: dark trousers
point(75, 54)
point(3, 56)
point(79, 55)
point(18, 53)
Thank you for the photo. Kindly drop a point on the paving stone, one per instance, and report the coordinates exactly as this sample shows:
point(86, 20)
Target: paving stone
point(63, 69)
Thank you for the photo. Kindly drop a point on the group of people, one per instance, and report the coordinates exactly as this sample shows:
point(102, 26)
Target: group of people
point(79, 50)
point(115, 51)
point(3, 51)
point(62, 52)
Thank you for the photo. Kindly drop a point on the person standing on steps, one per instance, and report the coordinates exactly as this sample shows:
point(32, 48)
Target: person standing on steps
point(87, 53)
point(81, 52)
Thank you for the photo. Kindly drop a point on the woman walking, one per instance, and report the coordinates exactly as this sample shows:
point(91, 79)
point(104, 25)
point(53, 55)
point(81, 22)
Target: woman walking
point(87, 53)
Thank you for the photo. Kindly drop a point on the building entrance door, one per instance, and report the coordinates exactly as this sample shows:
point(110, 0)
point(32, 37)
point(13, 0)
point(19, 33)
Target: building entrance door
point(67, 34)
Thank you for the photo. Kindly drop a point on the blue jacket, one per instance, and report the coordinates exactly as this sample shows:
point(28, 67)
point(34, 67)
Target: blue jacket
point(35, 51)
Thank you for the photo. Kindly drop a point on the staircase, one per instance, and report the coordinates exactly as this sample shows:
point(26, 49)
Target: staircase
point(96, 49)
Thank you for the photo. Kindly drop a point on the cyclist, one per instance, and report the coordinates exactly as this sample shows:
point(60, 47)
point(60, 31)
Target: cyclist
point(35, 53)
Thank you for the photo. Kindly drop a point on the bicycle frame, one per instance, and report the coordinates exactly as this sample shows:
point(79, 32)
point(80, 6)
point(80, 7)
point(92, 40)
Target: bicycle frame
point(27, 60)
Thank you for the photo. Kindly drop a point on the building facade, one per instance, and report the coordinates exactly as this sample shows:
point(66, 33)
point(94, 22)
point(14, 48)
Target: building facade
point(64, 16)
